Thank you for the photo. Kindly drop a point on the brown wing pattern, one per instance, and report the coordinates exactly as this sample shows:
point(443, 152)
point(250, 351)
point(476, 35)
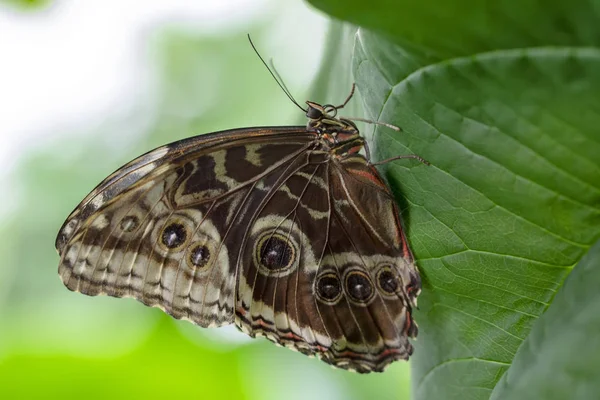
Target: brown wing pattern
point(262, 227)
point(324, 272)
point(163, 228)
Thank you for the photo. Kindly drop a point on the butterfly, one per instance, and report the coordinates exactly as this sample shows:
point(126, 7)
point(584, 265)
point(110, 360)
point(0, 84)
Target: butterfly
point(287, 232)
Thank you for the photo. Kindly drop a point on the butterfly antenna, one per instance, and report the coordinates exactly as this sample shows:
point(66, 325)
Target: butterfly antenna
point(280, 80)
point(276, 76)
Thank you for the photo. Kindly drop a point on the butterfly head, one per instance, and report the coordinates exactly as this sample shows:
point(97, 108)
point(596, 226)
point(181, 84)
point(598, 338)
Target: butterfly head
point(322, 118)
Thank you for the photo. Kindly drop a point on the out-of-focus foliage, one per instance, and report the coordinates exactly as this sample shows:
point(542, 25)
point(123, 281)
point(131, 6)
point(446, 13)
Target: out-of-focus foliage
point(27, 4)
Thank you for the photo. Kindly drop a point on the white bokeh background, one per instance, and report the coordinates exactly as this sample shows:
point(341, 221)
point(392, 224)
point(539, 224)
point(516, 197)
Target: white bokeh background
point(74, 63)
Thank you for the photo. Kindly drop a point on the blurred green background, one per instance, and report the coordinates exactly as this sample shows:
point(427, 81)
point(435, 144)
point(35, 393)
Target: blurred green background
point(87, 86)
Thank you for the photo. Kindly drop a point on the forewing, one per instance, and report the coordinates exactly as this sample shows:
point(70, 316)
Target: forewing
point(165, 228)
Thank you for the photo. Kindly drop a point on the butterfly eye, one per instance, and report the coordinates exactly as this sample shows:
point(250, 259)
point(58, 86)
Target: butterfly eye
point(359, 287)
point(328, 288)
point(173, 236)
point(314, 113)
point(275, 253)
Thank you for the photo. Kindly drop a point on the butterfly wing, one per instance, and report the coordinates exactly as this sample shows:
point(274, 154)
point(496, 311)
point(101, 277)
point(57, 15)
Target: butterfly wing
point(165, 228)
point(326, 269)
point(259, 227)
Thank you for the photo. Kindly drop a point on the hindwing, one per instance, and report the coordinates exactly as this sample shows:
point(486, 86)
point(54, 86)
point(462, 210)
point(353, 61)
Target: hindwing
point(325, 268)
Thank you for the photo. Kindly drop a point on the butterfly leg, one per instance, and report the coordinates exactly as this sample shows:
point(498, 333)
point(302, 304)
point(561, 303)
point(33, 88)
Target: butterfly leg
point(332, 110)
point(387, 160)
point(347, 98)
point(414, 156)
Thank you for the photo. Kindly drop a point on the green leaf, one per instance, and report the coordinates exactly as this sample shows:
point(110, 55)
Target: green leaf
point(507, 208)
point(461, 27)
point(559, 359)
point(504, 101)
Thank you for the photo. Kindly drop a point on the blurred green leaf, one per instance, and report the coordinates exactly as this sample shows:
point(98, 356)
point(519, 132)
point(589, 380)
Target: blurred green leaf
point(334, 80)
point(27, 5)
point(212, 84)
point(456, 28)
point(558, 360)
point(165, 366)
